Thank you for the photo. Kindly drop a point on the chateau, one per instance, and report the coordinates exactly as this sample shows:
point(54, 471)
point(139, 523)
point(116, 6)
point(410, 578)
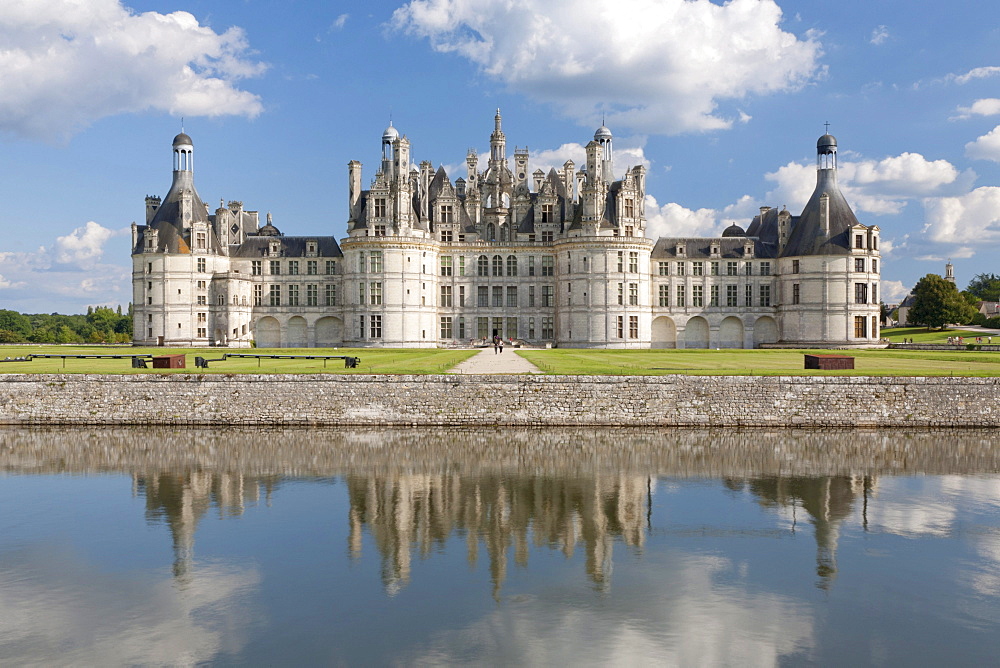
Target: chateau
point(558, 258)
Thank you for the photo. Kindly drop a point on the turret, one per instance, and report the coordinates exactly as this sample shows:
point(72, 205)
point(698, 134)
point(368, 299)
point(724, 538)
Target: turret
point(498, 143)
point(603, 138)
point(354, 184)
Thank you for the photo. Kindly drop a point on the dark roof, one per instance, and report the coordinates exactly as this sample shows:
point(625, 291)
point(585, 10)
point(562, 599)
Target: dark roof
point(258, 246)
point(808, 237)
point(182, 138)
point(734, 230)
point(699, 248)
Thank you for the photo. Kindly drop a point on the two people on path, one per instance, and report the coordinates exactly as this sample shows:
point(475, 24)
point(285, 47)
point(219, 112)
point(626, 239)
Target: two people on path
point(497, 344)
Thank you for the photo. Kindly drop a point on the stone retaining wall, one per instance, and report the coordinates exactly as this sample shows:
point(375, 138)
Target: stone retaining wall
point(451, 400)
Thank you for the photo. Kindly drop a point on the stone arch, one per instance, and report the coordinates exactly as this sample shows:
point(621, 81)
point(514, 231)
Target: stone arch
point(297, 332)
point(329, 332)
point(664, 332)
point(765, 330)
point(731, 333)
point(267, 333)
point(696, 333)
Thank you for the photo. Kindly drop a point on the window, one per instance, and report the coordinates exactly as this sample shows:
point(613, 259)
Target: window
point(732, 269)
point(714, 268)
point(311, 248)
point(461, 327)
point(203, 332)
point(378, 231)
point(630, 230)
point(859, 264)
point(275, 267)
point(446, 295)
point(860, 327)
point(633, 327)
point(311, 268)
point(446, 327)
point(697, 295)
point(765, 295)
point(874, 266)
point(362, 266)
point(222, 300)
point(663, 268)
point(375, 330)
point(860, 293)
point(629, 207)
point(375, 262)
point(531, 328)
point(621, 260)
point(293, 295)
point(312, 295)
point(664, 291)
point(732, 296)
point(497, 265)
point(859, 241)
point(258, 295)
point(531, 295)
point(680, 268)
point(497, 295)
point(531, 265)
point(483, 328)
point(547, 215)
point(748, 296)
point(713, 299)
point(446, 237)
point(255, 267)
point(620, 327)
point(202, 299)
point(361, 292)
point(874, 293)
point(633, 262)
point(202, 265)
point(697, 268)
point(548, 265)
point(293, 267)
point(200, 240)
point(331, 267)
point(511, 327)
point(274, 295)
point(547, 236)
point(202, 317)
point(511, 265)
point(461, 266)
point(621, 294)
point(681, 295)
point(447, 215)
point(331, 295)
point(795, 266)
point(378, 207)
point(548, 331)
point(795, 293)
point(765, 268)
point(512, 295)
point(483, 266)
point(548, 295)
point(633, 294)
point(483, 296)
point(361, 326)
point(446, 265)
point(749, 268)
point(375, 293)
point(461, 296)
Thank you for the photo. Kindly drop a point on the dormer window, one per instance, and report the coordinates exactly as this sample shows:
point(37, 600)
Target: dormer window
point(200, 240)
point(680, 250)
point(274, 248)
point(715, 250)
point(311, 248)
point(447, 213)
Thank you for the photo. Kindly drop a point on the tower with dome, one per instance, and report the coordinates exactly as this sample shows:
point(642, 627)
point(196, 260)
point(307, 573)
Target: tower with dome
point(545, 258)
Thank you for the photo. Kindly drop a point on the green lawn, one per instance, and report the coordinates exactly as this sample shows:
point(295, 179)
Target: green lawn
point(373, 360)
point(761, 362)
point(923, 335)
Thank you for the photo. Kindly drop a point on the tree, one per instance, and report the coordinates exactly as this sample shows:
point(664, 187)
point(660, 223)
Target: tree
point(937, 302)
point(985, 288)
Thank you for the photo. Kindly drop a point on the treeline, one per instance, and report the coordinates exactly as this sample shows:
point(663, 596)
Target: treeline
point(938, 302)
point(101, 324)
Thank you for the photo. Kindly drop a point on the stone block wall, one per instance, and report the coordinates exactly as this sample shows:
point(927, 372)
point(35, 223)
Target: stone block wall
point(451, 400)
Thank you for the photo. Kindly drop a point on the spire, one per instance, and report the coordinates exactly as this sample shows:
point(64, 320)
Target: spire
point(498, 142)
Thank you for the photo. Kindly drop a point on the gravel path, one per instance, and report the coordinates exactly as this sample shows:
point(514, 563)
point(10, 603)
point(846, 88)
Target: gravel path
point(490, 362)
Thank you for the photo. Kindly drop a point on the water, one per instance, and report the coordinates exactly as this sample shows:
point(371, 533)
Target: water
point(165, 546)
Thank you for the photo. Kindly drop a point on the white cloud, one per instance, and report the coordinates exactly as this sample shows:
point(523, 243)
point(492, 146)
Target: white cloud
point(667, 64)
point(6, 284)
point(975, 73)
point(65, 64)
point(989, 106)
point(893, 291)
point(879, 35)
point(340, 21)
point(84, 246)
point(674, 220)
point(986, 147)
point(971, 218)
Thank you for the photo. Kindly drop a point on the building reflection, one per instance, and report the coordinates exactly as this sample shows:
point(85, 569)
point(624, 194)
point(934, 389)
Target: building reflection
point(497, 514)
point(180, 500)
point(828, 501)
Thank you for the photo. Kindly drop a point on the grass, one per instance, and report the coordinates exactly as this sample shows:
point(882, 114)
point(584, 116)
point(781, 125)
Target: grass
point(923, 335)
point(373, 360)
point(761, 362)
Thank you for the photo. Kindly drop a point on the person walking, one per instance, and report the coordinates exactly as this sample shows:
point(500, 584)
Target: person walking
point(496, 344)
point(501, 345)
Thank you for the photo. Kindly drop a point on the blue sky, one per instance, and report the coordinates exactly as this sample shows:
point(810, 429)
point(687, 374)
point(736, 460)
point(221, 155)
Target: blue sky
point(722, 101)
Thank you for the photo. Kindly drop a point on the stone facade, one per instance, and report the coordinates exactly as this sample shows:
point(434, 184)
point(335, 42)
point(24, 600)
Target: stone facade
point(449, 400)
point(558, 258)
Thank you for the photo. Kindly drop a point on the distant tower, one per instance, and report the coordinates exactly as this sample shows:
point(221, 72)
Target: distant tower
point(498, 143)
point(603, 138)
point(389, 138)
point(949, 272)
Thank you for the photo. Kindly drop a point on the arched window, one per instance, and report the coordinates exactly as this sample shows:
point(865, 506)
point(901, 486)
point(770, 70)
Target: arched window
point(511, 265)
point(497, 265)
point(483, 266)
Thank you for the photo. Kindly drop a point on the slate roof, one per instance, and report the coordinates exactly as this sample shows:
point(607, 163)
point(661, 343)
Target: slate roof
point(807, 237)
point(699, 248)
point(258, 247)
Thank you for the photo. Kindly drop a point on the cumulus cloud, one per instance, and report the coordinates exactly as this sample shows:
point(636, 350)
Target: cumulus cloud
point(986, 147)
point(971, 218)
point(879, 35)
point(975, 73)
point(65, 64)
point(893, 291)
point(84, 246)
point(7, 284)
point(340, 22)
point(667, 64)
point(986, 107)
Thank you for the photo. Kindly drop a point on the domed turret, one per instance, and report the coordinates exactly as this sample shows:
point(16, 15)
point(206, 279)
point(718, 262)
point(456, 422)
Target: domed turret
point(826, 142)
point(602, 133)
point(390, 134)
point(183, 140)
point(734, 230)
point(269, 230)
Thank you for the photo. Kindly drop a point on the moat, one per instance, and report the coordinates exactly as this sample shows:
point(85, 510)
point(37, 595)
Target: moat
point(543, 546)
